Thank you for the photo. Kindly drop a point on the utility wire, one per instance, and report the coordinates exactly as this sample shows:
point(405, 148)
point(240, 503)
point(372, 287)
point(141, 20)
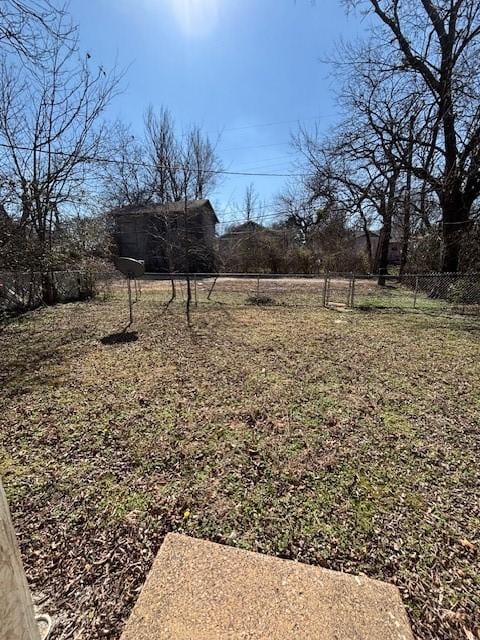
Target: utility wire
point(277, 214)
point(174, 167)
point(244, 221)
point(255, 146)
point(272, 124)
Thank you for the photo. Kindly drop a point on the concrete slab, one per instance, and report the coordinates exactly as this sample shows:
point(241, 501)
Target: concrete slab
point(199, 590)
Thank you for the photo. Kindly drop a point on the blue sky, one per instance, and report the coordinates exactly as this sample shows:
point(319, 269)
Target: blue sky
point(247, 71)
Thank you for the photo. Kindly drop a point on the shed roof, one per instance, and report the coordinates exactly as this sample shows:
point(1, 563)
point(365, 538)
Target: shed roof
point(168, 207)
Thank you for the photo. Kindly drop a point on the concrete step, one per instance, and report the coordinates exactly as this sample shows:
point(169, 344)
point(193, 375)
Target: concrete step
point(199, 590)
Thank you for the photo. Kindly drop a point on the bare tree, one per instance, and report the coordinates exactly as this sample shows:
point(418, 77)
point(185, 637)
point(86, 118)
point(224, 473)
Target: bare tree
point(50, 137)
point(24, 25)
point(376, 158)
point(167, 168)
point(205, 164)
point(250, 203)
point(407, 200)
point(433, 46)
point(296, 207)
point(127, 180)
point(357, 167)
point(168, 152)
point(249, 233)
point(164, 153)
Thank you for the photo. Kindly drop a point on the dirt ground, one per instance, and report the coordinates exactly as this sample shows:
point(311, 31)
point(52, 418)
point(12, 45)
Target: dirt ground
point(348, 440)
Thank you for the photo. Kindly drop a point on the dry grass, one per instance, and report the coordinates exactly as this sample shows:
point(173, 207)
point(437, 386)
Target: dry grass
point(343, 439)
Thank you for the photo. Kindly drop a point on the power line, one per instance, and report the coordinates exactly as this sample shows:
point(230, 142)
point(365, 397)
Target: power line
point(256, 146)
point(237, 210)
point(268, 161)
point(239, 221)
point(86, 159)
point(252, 233)
point(272, 124)
point(174, 167)
point(261, 216)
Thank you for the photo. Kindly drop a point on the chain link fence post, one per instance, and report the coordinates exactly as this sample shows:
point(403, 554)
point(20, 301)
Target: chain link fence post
point(325, 285)
point(415, 293)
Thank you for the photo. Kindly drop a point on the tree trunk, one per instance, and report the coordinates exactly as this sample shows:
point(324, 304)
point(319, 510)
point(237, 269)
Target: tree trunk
point(388, 206)
point(49, 293)
point(382, 251)
point(455, 222)
point(424, 206)
point(368, 242)
point(407, 202)
point(405, 240)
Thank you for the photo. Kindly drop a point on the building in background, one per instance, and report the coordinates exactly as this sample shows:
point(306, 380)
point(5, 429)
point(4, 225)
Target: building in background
point(394, 247)
point(157, 234)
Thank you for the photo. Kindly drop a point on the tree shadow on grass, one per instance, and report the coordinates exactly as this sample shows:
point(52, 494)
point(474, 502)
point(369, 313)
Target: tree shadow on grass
point(32, 354)
point(465, 322)
point(8, 317)
point(123, 337)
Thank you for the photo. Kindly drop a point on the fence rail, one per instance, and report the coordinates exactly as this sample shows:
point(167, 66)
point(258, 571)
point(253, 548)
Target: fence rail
point(451, 292)
point(455, 292)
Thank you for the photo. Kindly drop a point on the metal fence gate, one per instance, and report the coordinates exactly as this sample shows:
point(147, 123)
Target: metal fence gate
point(339, 290)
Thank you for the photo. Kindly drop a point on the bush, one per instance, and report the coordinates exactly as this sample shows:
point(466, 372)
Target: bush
point(260, 300)
point(464, 291)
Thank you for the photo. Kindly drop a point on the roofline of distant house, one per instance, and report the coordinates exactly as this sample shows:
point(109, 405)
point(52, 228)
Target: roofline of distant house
point(362, 234)
point(141, 209)
point(376, 234)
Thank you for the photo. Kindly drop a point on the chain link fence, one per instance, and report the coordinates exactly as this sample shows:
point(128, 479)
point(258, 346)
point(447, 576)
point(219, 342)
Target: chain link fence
point(236, 289)
point(455, 293)
point(446, 292)
point(21, 291)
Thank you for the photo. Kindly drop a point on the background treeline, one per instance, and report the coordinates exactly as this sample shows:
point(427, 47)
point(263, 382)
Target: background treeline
point(404, 159)
point(63, 166)
point(405, 156)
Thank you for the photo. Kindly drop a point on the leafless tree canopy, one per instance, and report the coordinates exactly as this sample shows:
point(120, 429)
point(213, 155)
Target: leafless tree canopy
point(423, 58)
point(179, 162)
point(407, 151)
point(24, 24)
point(49, 131)
point(162, 166)
point(405, 157)
point(128, 179)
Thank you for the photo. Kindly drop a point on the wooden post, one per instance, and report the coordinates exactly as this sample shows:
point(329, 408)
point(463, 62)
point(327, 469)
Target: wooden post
point(415, 293)
point(17, 620)
point(195, 288)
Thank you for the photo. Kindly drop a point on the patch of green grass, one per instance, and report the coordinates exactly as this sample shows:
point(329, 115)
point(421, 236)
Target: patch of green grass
point(349, 443)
